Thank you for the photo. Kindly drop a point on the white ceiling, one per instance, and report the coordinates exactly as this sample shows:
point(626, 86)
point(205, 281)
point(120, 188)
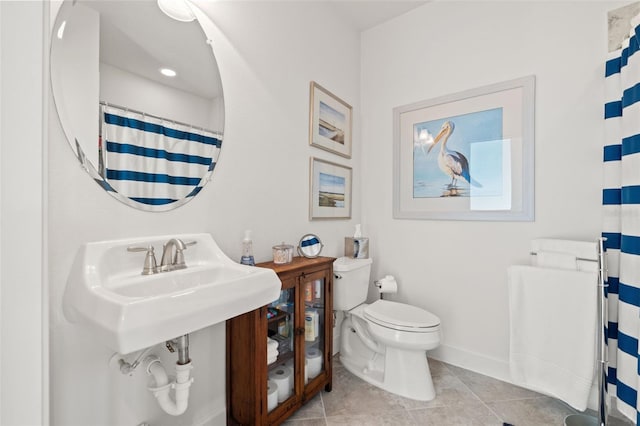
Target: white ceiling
point(142, 49)
point(365, 14)
point(137, 37)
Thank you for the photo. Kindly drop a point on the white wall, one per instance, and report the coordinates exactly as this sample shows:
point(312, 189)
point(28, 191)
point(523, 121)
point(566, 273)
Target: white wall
point(126, 89)
point(457, 269)
point(23, 303)
point(267, 54)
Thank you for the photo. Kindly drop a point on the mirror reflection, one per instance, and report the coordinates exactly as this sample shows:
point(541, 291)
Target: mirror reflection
point(139, 98)
point(310, 246)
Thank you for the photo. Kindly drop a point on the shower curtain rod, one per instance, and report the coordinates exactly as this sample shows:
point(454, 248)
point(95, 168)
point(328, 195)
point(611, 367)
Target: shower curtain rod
point(103, 103)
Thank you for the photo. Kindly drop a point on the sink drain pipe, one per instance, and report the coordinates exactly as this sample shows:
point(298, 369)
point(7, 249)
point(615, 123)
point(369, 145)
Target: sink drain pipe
point(181, 385)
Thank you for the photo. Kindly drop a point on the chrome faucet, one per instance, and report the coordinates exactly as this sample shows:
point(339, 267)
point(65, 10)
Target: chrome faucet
point(172, 256)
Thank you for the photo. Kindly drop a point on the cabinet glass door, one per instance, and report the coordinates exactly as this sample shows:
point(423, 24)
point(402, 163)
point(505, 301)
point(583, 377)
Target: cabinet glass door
point(281, 349)
point(314, 327)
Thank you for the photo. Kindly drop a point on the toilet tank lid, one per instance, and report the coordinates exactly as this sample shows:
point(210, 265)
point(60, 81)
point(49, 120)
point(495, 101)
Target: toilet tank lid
point(345, 264)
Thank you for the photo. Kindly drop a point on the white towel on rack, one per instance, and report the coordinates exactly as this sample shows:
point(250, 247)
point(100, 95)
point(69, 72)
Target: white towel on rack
point(556, 260)
point(582, 249)
point(553, 315)
point(565, 254)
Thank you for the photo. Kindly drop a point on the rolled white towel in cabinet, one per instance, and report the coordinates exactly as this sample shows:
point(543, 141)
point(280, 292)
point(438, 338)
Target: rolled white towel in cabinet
point(272, 351)
point(272, 344)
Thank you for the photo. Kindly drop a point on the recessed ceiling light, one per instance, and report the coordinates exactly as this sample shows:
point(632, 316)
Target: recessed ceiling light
point(168, 72)
point(177, 9)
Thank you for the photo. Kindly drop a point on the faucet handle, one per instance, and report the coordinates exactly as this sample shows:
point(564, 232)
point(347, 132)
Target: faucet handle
point(179, 259)
point(150, 264)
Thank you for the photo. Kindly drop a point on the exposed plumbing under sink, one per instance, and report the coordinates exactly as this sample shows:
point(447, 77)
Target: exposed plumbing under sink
point(160, 385)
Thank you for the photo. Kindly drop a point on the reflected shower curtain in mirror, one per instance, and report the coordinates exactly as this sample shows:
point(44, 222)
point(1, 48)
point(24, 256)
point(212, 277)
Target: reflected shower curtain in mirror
point(152, 160)
point(621, 227)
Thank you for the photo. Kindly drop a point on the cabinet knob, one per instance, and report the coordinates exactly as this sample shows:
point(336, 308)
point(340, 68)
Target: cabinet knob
point(299, 331)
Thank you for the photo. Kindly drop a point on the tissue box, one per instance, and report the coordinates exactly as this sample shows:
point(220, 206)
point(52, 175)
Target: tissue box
point(356, 247)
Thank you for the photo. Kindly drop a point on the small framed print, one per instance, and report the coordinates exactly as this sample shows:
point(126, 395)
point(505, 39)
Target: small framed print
point(330, 190)
point(330, 121)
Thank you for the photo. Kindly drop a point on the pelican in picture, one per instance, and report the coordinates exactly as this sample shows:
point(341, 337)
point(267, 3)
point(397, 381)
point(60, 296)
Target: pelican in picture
point(452, 163)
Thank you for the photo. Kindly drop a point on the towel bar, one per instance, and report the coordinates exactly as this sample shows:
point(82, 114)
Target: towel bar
point(533, 253)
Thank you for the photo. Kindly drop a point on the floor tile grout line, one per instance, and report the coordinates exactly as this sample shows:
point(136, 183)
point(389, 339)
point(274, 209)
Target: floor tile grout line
point(324, 411)
point(485, 403)
point(482, 401)
point(500, 419)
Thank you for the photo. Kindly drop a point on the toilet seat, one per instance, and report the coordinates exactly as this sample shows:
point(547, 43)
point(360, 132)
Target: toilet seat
point(400, 316)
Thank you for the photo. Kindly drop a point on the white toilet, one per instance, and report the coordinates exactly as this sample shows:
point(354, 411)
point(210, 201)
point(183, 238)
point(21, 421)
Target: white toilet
point(384, 342)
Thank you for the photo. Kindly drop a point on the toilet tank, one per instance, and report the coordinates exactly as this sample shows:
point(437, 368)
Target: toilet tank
point(351, 282)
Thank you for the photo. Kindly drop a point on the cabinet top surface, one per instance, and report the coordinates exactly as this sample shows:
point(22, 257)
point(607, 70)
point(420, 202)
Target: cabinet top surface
point(298, 262)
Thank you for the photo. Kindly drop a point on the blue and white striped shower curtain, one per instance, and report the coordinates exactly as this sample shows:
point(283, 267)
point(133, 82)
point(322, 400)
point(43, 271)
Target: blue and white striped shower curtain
point(621, 227)
point(154, 161)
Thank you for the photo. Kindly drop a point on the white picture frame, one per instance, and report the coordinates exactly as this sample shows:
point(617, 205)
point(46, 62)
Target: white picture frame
point(466, 156)
point(330, 190)
point(330, 121)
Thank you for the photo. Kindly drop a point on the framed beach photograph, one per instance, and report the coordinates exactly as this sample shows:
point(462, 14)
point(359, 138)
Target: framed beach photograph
point(466, 156)
point(329, 121)
point(330, 190)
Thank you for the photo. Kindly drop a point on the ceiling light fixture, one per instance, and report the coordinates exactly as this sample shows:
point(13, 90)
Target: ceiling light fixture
point(167, 72)
point(180, 10)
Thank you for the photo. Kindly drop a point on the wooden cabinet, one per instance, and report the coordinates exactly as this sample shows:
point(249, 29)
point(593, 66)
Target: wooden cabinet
point(301, 322)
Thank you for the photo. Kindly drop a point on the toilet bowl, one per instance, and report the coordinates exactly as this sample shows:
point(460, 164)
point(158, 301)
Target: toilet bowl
point(385, 342)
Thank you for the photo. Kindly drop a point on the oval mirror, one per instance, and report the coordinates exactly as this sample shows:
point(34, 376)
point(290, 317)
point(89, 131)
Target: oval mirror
point(310, 246)
point(139, 98)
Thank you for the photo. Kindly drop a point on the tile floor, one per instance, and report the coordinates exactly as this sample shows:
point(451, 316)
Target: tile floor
point(462, 398)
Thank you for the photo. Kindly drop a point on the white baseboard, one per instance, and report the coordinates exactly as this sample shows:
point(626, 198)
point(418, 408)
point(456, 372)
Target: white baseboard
point(336, 345)
point(492, 367)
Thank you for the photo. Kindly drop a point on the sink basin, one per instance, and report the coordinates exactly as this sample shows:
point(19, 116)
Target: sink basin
point(107, 294)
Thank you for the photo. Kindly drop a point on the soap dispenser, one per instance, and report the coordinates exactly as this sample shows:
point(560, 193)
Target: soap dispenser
point(247, 250)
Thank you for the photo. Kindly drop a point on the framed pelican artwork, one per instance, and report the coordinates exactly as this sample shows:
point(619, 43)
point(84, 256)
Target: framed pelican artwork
point(466, 156)
point(329, 121)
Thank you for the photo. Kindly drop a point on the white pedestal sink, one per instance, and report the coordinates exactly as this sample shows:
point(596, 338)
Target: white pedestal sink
point(127, 311)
